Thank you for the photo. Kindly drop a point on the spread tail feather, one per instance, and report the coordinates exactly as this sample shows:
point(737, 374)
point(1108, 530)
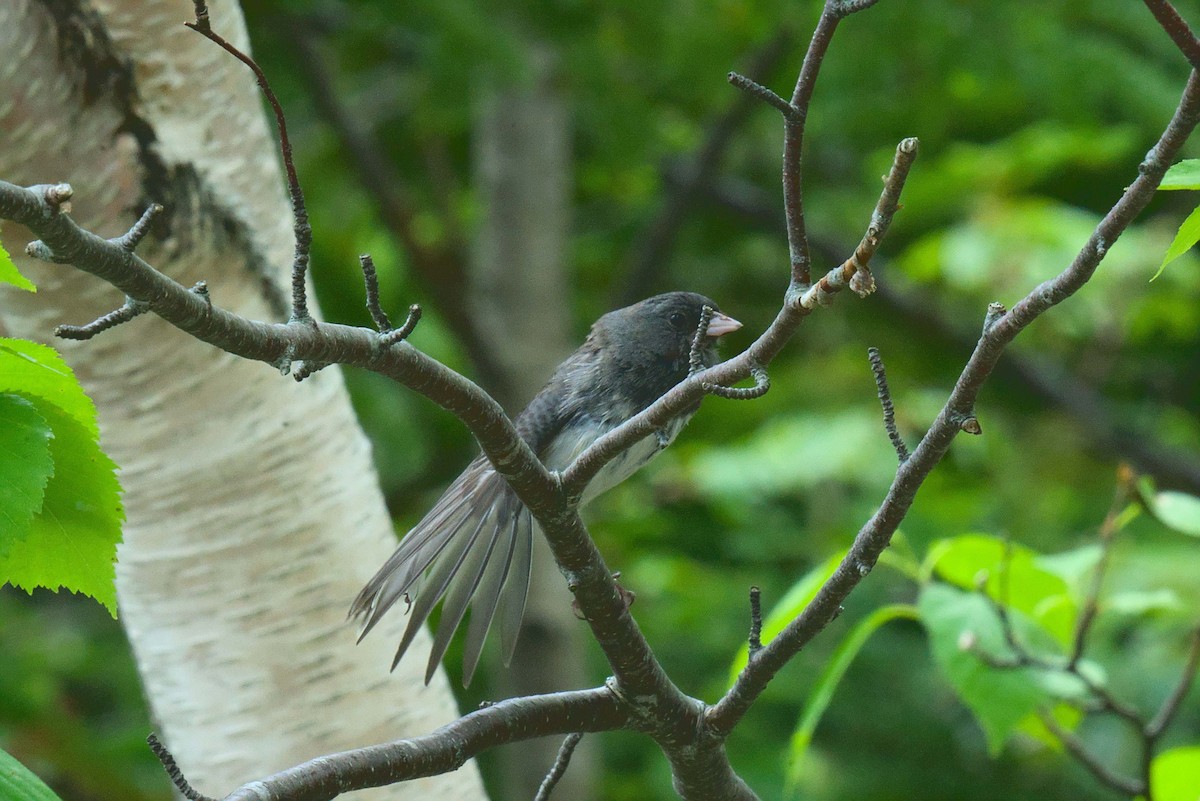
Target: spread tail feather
point(473, 548)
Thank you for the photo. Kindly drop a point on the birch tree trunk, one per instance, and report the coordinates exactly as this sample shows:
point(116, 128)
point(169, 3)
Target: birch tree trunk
point(254, 514)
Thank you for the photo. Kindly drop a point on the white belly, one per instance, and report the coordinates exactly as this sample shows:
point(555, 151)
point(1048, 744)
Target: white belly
point(565, 448)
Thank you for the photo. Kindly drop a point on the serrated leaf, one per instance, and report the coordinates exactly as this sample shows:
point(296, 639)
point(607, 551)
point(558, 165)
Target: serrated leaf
point(1187, 235)
point(792, 604)
point(1177, 510)
point(1184, 175)
point(9, 274)
point(831, 676)
point(999, 698)
point(1175, 774)
point(18, 783)
point(34, 370)
point(72, 542)
point(25, 466)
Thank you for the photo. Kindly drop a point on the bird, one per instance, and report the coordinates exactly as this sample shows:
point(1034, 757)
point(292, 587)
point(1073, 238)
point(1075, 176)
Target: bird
point(474, 547)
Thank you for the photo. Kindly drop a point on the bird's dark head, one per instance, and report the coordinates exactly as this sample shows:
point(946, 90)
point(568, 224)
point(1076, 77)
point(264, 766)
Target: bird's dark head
point(651, 341)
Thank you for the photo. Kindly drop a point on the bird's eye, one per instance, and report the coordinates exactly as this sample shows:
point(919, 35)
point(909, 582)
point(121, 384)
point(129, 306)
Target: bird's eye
point(679, 320)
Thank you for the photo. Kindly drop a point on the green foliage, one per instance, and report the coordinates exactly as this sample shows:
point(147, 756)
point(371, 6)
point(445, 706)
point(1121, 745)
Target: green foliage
point(1175, 774)
point(831, 676)
point(59, 492)
point(10, 275)
point(17, 783)
point(1177, 510)
point(1188, 235)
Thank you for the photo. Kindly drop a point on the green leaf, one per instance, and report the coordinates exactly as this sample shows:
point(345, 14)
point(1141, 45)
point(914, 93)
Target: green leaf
point(1025, 580)
point(10, 275)
point(1175, 774)
point(25, 466)
point(1188, 235)
point(32, 370)
point(828, 682)
point(1177, 510)
point(791, 605)
point(18, 783)
point(73, 541)
point(1184, 175)
point(1000, 699)
point(1143, 602)
point(1068, 716)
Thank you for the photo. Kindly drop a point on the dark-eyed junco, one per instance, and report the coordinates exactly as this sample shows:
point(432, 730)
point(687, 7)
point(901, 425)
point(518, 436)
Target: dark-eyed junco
point(474, 546)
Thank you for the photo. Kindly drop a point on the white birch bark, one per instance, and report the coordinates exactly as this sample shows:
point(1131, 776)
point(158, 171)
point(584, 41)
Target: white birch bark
point(254, 514)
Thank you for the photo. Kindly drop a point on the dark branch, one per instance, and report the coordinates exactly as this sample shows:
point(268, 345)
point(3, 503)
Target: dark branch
point(126, 312)
point(1166, 713)
point(876, 534)
point(885, 400)
point(1177, 29)
point(402, 333)
point(173, 771)
point(303, 230)
point(1091, 603)
point(760, 92)
point(559, 767)
point(1093, 763)
point(762, 383)
point(696, 354)
point(137, 233)
point(756, 622)
point(440, 268)
point(378, 315)
point(443, 750)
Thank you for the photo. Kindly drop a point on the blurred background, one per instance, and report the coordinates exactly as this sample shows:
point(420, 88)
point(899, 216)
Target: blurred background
point(521, 168)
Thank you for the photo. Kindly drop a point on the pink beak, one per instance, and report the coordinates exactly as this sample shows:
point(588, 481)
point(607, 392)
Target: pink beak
point(722, 324)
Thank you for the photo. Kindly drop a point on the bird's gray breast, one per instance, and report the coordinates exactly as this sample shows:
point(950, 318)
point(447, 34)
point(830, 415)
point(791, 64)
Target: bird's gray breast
point(576, 438)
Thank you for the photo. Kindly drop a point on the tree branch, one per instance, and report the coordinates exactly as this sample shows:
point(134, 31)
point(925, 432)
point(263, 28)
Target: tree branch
point(443, 750)
point(875, 535)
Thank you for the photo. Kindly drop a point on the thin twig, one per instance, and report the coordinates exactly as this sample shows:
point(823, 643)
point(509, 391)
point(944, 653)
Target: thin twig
point(1177, 29)
point(762, 384)
point(400, 334)
point(123, 314)
point(382, 323)
point(138, 231)
point(696, 353)
point(885, 400)
point(1166, 713)
point(303, 230)
point(559, 767)
point(756, 622)
point(173, 771)
point(1093, 763)
point(1091, 603)
point(760, 92)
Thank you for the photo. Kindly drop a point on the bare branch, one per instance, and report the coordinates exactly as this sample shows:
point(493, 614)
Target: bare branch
point(173, 772)
point(378, 315)
point(123, 314)
point(874, 536)
point(443, 750)
point(1095, 766)
point(1166, 713)
point(762, 383)
point(760, 92)
point(302, 229)
point(1091, 603)
point(885, 400)
point(559, 767)
point(1177, 28)
point(402, 333)
point(756, 622)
